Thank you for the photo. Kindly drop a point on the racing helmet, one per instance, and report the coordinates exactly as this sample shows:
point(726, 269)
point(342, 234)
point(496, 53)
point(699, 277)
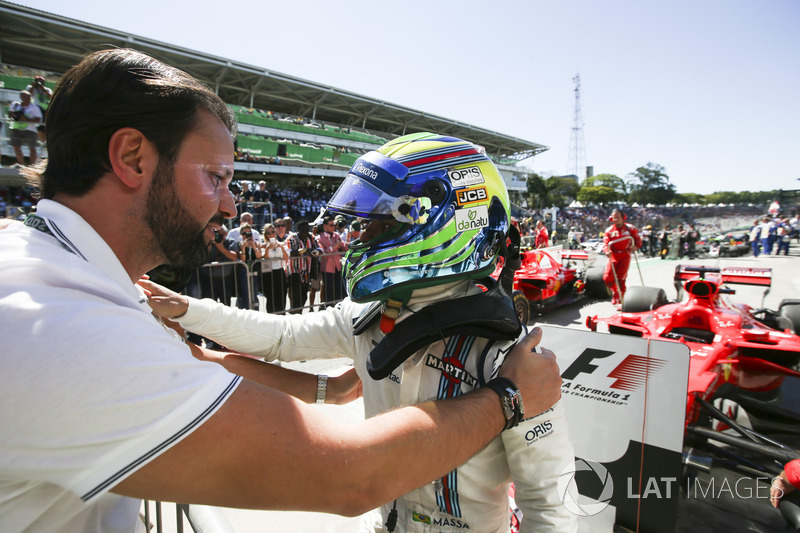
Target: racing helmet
point(444, 211)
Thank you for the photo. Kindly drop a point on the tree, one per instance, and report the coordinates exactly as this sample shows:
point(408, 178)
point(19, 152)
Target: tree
point(690, 198)
point(598, 195)
point(603, 189)
point(538, 194)
point(561, 191)
point(650, 185)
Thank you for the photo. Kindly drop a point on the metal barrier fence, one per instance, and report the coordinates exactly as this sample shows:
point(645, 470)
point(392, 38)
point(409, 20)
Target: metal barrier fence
point(201, 518)
point(255, 285)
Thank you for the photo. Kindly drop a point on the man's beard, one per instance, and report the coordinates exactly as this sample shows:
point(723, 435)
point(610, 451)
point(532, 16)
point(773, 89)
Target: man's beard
point(180, 238)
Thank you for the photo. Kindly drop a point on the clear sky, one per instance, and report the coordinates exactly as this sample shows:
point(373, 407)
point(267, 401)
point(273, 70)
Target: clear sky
point(706, 88)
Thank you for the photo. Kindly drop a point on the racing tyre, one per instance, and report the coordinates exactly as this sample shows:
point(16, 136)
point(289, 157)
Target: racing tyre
point(595, 286)
point(522, 307)
point(641, 299)
point(790, 309)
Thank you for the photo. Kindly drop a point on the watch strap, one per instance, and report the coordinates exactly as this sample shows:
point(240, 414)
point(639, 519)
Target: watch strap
point(322, 388)
point(510, 399)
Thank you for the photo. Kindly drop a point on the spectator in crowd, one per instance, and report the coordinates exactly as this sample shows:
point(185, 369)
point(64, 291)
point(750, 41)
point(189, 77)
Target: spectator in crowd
point(647, 245)
point(794, 223)
point(315, 274)
point(273, 271)
point(783, 232)
point(767, 229)
point(342, 228)
point(244, 199)
point(125, 409)
point(572, 239)
point(280, 231)
point(246, 284)
point(692, 236)
point(411, 341)
point(217, 277)
point(41, 95)
point(303, 249)
point(354, 233)
point(249, 268)
point(675, 243)
point(332, 246)
point(620, 240)
point(260, 204)
point(235, 233)
point(25, 116)
point(288, 223)
point(755, 238)
point(542, 237)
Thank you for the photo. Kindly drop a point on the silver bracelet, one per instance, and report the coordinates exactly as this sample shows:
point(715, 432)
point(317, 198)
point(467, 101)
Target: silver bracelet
point(322, 388)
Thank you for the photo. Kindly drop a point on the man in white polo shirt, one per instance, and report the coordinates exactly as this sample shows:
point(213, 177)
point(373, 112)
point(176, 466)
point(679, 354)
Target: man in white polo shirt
point(102, 405)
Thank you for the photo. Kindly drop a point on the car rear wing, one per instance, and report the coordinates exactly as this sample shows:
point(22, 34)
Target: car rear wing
point(761, 277)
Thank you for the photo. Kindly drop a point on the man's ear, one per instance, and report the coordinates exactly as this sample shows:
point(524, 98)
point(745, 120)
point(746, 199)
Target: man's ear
point(133, 158)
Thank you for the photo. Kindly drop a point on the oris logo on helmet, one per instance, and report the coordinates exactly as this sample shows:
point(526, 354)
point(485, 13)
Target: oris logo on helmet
point(468, 196)
point(366, 172)
point(464, 177)
point(472, 218)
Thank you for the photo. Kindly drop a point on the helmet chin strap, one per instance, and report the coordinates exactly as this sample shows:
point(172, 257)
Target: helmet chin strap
point(489, 315)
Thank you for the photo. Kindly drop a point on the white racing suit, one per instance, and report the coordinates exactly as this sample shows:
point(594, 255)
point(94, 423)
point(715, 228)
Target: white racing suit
point(472, 497)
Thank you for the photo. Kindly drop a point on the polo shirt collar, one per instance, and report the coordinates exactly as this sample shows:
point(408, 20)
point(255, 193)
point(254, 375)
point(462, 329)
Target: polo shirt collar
point(79, 237)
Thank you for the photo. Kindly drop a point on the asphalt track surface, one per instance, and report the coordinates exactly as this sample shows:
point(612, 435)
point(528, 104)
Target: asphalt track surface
point(725, 512)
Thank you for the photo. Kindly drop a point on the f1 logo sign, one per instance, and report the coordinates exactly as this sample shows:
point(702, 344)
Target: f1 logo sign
point(629, 375)
point(583, 364)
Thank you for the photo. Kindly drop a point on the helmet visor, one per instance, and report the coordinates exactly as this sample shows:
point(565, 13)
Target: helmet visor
point(375, 188)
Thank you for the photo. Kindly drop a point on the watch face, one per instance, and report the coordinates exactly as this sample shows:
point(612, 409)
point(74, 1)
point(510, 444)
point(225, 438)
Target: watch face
point(508, 407)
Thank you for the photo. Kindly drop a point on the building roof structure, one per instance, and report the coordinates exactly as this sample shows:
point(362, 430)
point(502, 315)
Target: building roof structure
point(40, 40)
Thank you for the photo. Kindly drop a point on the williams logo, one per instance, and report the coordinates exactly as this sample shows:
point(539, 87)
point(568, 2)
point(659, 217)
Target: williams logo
point(472, 218)
point(469, 196)
point(465, 177)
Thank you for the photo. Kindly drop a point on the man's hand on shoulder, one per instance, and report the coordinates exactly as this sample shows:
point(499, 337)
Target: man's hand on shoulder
point(164, 302)
point(535, 373)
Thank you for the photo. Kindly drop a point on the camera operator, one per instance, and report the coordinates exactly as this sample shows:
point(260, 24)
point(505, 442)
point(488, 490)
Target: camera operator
point(25, 115)
point(249, 252)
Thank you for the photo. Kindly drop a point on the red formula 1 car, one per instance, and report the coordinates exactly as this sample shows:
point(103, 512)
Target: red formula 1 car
point(740, 357)
point(548, 278)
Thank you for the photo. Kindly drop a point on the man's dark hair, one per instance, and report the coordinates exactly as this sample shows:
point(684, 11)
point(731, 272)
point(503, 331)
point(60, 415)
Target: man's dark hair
point(109, 90)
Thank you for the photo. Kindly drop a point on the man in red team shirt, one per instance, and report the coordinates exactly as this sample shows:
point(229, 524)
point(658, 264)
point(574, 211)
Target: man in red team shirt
point(542, 237)
point(619, 240)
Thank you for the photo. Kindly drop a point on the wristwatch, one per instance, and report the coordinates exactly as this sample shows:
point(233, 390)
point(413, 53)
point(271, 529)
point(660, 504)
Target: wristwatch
point(322, 388)
point(510, 400)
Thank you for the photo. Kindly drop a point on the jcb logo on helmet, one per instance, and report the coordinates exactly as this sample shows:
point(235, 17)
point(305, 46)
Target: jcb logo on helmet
point(473, 218)
point(464, 177)
point(468, 196)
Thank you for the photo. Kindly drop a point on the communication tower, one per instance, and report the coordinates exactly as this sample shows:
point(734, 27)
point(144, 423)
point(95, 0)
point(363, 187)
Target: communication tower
point(577, 146)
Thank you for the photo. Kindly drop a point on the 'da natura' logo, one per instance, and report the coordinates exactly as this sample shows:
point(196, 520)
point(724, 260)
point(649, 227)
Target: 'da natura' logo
point(568, 491)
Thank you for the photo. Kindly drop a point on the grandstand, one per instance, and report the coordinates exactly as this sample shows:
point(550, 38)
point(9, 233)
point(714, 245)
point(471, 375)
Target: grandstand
point(292, 131)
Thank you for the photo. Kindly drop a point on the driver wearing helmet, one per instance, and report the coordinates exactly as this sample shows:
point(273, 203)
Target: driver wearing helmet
point(435, 216)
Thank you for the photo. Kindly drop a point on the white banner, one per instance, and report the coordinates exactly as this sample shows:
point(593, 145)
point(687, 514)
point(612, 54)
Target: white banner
point(625, 401)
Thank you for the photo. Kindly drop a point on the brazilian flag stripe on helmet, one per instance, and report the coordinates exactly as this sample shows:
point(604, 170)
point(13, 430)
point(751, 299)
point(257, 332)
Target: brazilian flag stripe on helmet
point(411, 253)
point(449, 156)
